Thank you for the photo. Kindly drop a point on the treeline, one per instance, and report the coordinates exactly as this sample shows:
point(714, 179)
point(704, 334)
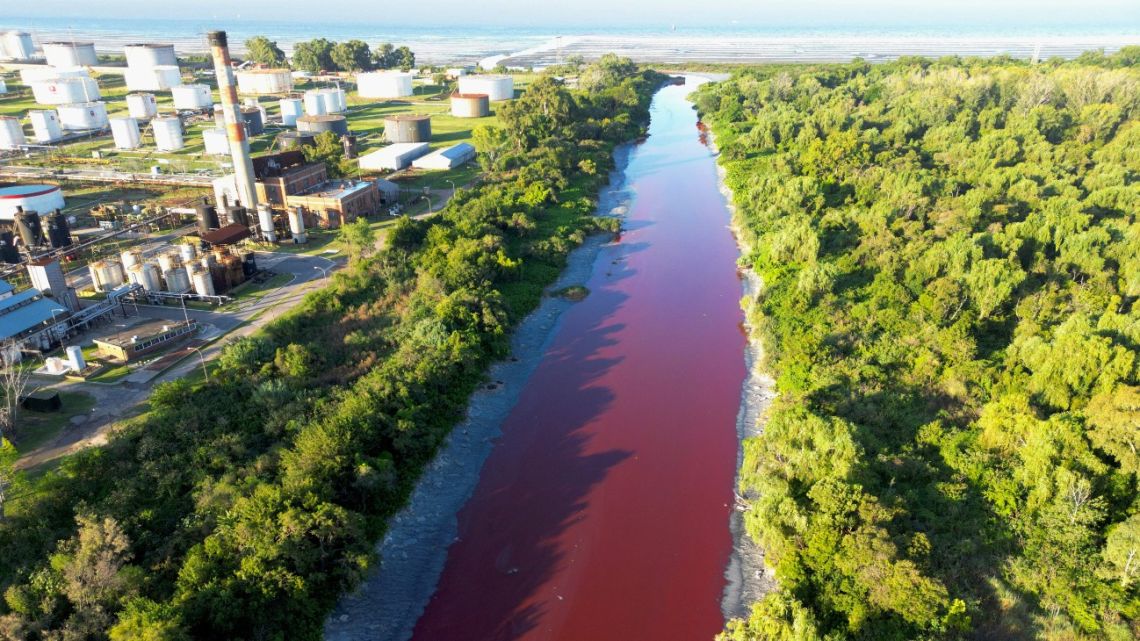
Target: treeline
point(950, 254)
point(242, 508)
point(320, 54)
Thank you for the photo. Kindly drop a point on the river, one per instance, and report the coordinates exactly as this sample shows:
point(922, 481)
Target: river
point(602, 512)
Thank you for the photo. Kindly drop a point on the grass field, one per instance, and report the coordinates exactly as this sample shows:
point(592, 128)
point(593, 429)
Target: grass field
point(34, 429)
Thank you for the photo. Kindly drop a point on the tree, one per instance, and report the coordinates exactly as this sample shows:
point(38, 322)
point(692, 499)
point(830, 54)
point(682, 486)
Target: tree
point(352, 55)
point(384, 56)
point(10, 477)
point(405, 59)
point(328, 149)
point(1115, 421)
point(313, 55)
point(264, 51)
point(358, 237)
point(1122, 549)
point(13, 385)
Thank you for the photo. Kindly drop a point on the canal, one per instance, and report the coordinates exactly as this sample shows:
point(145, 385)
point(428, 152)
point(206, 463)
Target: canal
point(602, 512)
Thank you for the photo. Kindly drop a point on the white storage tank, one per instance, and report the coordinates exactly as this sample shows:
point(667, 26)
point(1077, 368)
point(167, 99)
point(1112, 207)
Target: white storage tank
point(265, 223)
point(297, 225)
point(45, 124)
point(315, 103)
point(145, 274)
point(291, 109)
point(125, 131)
point(160, 78)
point(496, 87)
point(332, 100)
point(169, 260)
point(258, 82)
point(167, 133)
point(84, 116)
point(192, 97)
point(215, 141)
point(11, 133)
point(148, 56)
point(28, 75)
point(187, 253)
point(142, 106)
point(75, 358)
point(17, 45)
point(177, 280)
point(112, 274)
point(201, 281)
point(30, 198)
point(63, 91)
point(130, 258)
point(70, 54)
point(96, 269)
point(384, 84)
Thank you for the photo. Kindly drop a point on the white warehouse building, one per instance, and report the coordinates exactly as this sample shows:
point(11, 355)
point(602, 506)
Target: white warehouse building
point(447, 158)
point(393, 157)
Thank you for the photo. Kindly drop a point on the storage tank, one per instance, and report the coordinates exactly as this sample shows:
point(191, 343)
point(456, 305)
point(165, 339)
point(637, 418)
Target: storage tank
point(106, 275)
point(294, 140)
point(192, 97)
point(8, 252)
point(215, 141)
point(265, 222)
point(96, 269)
point(169, 260)
point(496, 87)
point(130, 258)
point(315, 103)
point(62, 91)
point(75, 358)
point(470, 105)
point(17, 45)
point(11, 133)
point(148, 55)
point(153, 79)
point(248, 264)
point(200, 280)
point(291, 109)
point(58, 231)
point(407, 128)
point(3, 87)
point(187, 253)
point(125, 132)
point(84, 116)
point(167, 133)
point(28, 225)
point(70, 54)
point(320, 124)
point(384, 84)
point(206, 216)
point(176, 280)
point(142, 106)
point(145, 274)
point(45, 124)
point(260, 82)
point(254, 125)
point(297, 225)
point(333, 100)
point(35, 197)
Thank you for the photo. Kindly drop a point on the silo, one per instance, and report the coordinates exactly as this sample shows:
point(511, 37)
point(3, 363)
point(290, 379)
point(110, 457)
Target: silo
point(85, 116)
point(384, 84)
point(130, 258)
point(176, 280)
point(260, 82)
point(192, 97)
point(148, 56)
point(169, 260)
point(496, 87)
point(59, 232)
point(207, 217)
point(470, 105)
point(142, 106)
point(216, 142)
point(321, 124)
point(28, 226)
point(45, 124)
point(297, 225)
point(333, 100)
point(18, 45)
point(146, 274)
point(125, 132)
point(254, 126)
point(291, 109)
point(315, 103)
point(265, 222)
point(407, 128)
point(111, 274)
point(62, 91)
point(11, 133)
point(70, 54)
point(167, 133)
point(187, 253)
point(200, 280)
point(8, 252)
point(96, 269)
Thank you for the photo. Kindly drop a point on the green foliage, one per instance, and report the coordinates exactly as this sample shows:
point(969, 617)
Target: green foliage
point(352, 55)
point(327, 148)
point(388, 56)
point(358, 237)
point(264, 51)
point(949, 251)
point(314, 55)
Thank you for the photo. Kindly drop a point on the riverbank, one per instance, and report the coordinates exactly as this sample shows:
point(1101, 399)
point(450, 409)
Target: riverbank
point(389, 602)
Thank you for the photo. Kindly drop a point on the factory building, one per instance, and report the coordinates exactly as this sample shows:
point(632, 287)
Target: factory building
point(335, 202)
point(138, 341)
point(447, 158)
point(26, 313)
point(47, 276)
point(276, 176)
point(393, 157)
point(70, 54)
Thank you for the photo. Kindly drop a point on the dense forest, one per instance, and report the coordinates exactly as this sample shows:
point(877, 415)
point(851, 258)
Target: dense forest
point(241, 508)
point(950, 253)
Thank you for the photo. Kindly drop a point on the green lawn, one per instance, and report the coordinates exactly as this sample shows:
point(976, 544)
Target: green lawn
point(34, 429)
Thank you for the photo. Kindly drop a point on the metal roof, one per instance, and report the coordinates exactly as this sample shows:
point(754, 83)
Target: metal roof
point(5, 287)
point(22, 319)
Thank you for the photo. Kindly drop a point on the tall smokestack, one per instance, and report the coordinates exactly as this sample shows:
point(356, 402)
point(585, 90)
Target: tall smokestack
point(235, 124)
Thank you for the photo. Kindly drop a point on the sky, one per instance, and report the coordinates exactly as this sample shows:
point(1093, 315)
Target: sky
point(780, 13)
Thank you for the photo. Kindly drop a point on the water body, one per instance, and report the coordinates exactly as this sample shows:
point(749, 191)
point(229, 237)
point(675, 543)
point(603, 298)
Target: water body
point(602, 512)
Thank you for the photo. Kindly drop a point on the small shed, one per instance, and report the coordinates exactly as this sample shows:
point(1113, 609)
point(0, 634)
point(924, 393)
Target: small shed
point(228, 235)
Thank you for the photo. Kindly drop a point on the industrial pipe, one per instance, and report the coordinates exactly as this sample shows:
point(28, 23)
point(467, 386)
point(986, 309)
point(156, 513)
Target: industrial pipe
point(235, 123)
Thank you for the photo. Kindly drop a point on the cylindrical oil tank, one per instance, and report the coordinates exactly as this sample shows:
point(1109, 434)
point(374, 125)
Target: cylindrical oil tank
point(17, 45)
point(254, 126)
point(216, 142)
point(169, 260)
point(496, 87)
point(207, 217)
point(70, 54)
point(8, 252)
point(176, 280)
point(62, 91)
point(146, 274)
point(234, 270)
point(315, 103)
point(96, 268)
point(257, 82)
point(167, 133)
point(111, 274)
point(384, 84)
point(333, 99)
point(125, 131)
point(192, 97)
point(470, 105)
point(3, 87)
point(148, 55)
point(59, 231)
point(200, 280)
point(29, 227)
point(265, 222)
point(130, 258)
point(35, 197)
point(160, 78)
point(294, 140)
point(297, 225)
point(320, 124)
point(45, 124)
point(83, 116)
point(291, 109)
point(11, 133)
point(187, 253)
point(407, 128)
point(142, 106)
point(238, 216)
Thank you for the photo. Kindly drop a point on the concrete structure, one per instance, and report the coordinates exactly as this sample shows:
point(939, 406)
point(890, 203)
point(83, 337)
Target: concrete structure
point(192, 97)
point(320, 124)
point(70, 54)
point(47, 276)
point(75, 358)
point(448, 158)
point(384, 84)
point(148, 56)
point(161, 78)
point(265, 223)
point(17, 45)
point(336, 202)
point(276, 177)
point(407, 128)
point(470, 105)
point(291, 109)
point(167, 132)
point(393, 157)
point(142, 106)
point(261, 82)
point(496, 87)
point(235, 125)
point(45, 124)
point(11, 133)
point(215, 141)
point(125, 132)
point(63, 91)
point(146, 338)
point(84, 116)
point(43, 198)
point(297, 225)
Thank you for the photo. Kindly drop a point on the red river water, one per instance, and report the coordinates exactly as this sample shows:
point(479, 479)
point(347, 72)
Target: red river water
point(603, 511)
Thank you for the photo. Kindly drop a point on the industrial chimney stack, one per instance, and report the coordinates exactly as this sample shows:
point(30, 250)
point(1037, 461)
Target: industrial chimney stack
point(235, 124)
